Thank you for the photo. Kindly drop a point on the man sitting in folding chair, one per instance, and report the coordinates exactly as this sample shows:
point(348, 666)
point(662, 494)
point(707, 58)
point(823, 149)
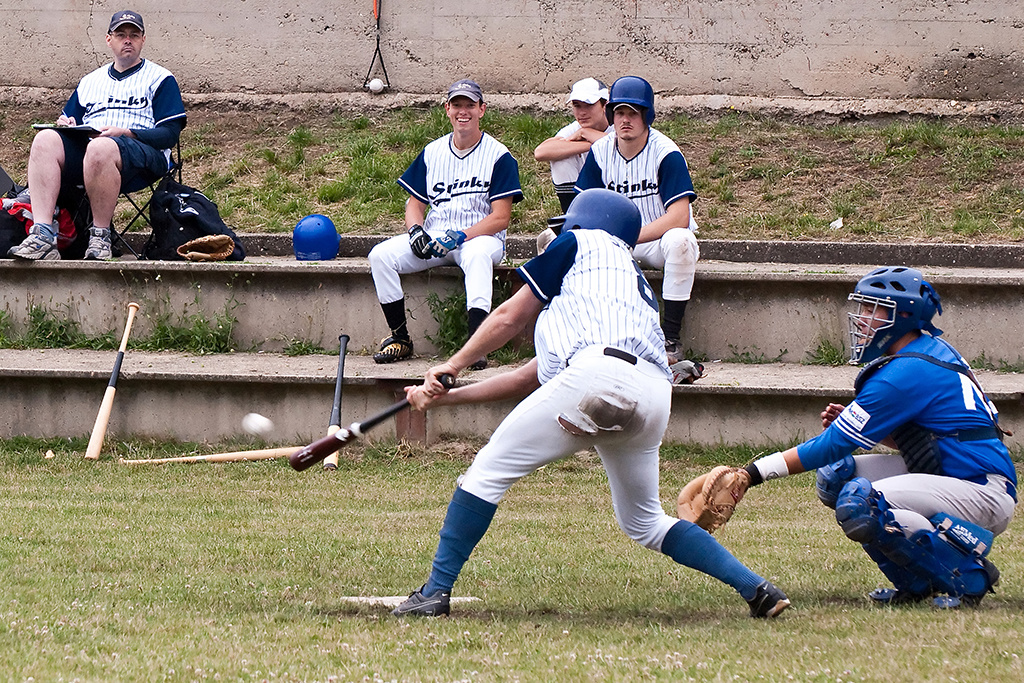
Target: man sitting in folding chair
point(136, 107)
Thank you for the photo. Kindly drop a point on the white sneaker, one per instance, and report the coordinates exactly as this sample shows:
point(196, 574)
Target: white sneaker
point(99, 244)
point(36, 247)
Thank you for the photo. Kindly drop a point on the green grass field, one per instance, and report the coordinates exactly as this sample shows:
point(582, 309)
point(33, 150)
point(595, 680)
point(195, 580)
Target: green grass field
point(757, 177)
point(236, 572)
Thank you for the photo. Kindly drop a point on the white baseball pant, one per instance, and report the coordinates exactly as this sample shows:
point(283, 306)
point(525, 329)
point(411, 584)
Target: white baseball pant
point(477, 257)
point(677, 254)
point(616, 407)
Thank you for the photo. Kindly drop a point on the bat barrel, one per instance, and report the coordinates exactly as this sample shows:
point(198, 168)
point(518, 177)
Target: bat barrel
point(318, 450)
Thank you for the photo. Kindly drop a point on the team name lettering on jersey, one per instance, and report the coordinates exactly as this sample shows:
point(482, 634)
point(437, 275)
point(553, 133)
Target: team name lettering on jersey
point(474, 184)
point(645, 187)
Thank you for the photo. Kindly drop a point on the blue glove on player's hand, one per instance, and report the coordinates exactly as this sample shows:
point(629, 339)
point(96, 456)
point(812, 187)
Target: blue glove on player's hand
point(440, 246)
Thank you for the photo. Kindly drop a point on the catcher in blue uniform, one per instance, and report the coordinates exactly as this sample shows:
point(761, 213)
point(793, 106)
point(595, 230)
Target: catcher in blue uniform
point(926, 515)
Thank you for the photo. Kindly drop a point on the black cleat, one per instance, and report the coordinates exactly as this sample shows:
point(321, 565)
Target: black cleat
point(419, 605)
point(769, 601)
point(393, 349)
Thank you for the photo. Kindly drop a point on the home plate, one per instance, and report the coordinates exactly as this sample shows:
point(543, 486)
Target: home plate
point(392, 601)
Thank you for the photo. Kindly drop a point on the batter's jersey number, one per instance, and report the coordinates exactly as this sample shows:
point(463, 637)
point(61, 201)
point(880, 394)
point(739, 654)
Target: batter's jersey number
point(646, 291)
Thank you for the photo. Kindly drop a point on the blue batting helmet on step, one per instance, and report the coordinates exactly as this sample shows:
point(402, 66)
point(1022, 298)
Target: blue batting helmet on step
point(634, 91)
point(315, 239)
point(600, 209)
point(891, 302)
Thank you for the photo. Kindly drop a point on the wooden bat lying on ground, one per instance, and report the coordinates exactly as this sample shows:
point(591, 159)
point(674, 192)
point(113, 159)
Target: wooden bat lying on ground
point(233, 456)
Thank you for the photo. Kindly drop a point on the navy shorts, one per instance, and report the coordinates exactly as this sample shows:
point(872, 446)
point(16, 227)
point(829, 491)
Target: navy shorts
point(141, 164)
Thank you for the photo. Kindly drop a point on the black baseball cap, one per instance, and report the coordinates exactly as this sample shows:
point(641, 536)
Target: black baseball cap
point(126, 16)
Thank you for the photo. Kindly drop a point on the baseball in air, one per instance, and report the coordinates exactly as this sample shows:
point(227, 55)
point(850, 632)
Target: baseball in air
point(376, 85)
point(257, 425)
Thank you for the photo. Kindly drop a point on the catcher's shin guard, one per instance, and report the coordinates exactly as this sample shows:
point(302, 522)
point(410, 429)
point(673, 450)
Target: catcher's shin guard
point(913, 587)
point(831, 479)
point(862, 512)
point(948, 559)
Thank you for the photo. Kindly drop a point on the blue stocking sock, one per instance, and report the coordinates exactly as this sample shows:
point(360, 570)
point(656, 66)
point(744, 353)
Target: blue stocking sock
point(691, 546)
point(464, 525)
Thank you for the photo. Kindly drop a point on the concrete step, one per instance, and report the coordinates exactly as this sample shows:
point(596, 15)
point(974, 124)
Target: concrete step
point(519, 247)
point(752, 311)
point(203, 398)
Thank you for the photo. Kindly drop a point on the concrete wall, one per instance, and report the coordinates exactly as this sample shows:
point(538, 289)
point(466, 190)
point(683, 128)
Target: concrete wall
point(946, 49)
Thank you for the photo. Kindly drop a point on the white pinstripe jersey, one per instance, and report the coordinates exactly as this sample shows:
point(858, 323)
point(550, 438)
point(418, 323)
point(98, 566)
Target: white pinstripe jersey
point(126, 102)
point(564, 172)
point(595, 296)
point(653, 179)
point(460, 189)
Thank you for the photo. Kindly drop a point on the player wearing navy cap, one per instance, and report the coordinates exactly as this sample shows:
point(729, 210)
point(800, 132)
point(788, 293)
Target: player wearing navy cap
point(927, 515)
point(646, 166)
point(136, 106)
point(599, 379)
point(461, 190)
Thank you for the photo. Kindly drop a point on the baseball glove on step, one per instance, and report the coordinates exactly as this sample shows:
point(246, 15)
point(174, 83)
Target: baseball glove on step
point(207, 248)
point(709, 500)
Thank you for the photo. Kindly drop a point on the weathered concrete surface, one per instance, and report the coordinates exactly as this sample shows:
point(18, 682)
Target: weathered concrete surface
point(203, 398)
point(799, 48)
point(756, 311)
point(986, 256)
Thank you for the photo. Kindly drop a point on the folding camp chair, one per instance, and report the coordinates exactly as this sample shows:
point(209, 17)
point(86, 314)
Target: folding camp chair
point(141, 208)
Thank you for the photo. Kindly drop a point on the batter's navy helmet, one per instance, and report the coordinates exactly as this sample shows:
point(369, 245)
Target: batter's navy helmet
point(631, 90)
point(906, 301)
point(600, 209)
point(315, 239)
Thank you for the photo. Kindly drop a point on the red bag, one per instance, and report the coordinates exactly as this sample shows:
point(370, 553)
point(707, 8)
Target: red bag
point(65, 225)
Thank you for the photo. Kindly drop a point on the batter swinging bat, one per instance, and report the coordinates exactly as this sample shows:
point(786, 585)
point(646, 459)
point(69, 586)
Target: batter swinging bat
point(233, 456)
point(331, 463)
point(318, 450)
point(99, 430)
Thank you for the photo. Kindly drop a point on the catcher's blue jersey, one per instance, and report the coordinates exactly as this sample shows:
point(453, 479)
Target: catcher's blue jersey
point(595, 296)
point(653, 179)
point(938, 399)
point(458, 188)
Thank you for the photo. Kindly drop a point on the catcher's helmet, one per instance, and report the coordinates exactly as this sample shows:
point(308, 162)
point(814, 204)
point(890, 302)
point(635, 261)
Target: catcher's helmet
point(900, 297)
point(631, 90)
point(600, 209)
point(315, 239)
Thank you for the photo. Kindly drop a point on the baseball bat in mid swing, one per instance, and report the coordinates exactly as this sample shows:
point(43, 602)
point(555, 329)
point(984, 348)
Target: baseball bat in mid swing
point(331, 463)
point(318, 450)
point(233, 456)
point(99, 429)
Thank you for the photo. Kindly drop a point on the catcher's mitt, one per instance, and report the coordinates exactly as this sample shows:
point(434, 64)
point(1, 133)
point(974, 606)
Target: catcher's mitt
point(709, 500)
point(207, 248)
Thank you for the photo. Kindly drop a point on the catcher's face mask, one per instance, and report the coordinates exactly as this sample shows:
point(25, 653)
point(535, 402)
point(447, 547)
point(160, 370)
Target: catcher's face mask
point(868, 323)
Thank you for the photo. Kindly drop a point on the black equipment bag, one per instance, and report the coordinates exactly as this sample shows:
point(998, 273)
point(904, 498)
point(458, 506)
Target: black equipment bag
point(180, 214)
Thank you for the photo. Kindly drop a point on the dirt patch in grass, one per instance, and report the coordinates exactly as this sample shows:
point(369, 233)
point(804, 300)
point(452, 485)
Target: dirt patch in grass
point(892, 180)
